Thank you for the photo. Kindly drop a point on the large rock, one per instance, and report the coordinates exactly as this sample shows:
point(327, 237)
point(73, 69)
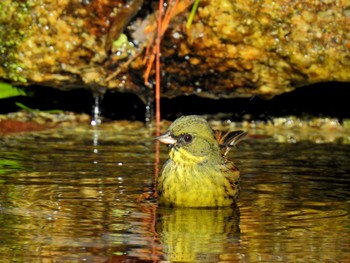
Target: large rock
point(234, 48)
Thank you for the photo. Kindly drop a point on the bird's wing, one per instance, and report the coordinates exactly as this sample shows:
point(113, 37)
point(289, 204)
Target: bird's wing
point(227, 140)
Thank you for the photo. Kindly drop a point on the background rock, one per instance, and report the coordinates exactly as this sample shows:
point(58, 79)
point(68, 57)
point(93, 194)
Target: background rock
point(232, 49)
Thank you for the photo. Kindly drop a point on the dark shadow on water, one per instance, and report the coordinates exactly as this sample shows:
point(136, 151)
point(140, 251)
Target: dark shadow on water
point(320, 100)
point(328, 99)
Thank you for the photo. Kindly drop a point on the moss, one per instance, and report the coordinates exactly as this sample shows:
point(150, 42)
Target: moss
point(14, 24)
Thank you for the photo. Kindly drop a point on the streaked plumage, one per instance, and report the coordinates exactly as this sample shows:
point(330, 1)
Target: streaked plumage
point(198, 174)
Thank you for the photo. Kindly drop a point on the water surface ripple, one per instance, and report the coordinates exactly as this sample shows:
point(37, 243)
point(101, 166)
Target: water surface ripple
point(69, 195)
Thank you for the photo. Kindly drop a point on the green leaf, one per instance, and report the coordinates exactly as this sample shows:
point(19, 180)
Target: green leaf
point(24, 107)
point(8, 91)
point(123, 39)
point(193, 12)
point(56, 111)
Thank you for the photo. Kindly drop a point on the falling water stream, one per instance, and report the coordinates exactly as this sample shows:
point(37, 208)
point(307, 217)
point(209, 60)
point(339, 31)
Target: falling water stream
point(72, 194)
point(96, 110)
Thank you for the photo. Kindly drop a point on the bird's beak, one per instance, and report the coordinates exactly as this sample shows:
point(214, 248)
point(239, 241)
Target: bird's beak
point(166, 138)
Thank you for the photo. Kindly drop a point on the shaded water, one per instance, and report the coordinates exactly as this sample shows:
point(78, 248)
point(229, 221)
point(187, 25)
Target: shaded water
point(68, 195)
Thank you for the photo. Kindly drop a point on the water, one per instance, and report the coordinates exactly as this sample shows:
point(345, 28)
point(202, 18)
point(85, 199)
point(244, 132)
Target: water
point(96, 110)
point(70, 195)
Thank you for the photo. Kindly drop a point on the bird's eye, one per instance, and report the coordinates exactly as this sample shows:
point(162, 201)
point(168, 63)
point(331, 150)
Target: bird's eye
point(188, 138)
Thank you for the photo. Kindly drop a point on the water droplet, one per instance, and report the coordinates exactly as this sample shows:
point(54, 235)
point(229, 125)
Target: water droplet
point(95, 139)
point(96, 111)
point(149, 112)
point(176, 35)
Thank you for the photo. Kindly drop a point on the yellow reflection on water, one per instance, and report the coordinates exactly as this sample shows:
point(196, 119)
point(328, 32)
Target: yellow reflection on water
point(197, 235)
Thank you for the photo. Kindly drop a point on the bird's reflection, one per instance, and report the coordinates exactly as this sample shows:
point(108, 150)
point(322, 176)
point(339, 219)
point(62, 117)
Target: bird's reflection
point(196, 234)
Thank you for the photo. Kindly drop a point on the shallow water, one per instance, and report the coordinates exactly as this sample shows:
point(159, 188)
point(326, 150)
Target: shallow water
point(69, 195)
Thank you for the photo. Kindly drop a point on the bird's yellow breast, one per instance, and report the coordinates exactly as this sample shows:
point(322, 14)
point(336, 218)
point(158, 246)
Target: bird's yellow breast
point(183, 157)
point(192, 183)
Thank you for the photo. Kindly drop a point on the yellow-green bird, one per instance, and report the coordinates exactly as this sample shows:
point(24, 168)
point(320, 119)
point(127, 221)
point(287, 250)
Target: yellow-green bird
point(198, 174)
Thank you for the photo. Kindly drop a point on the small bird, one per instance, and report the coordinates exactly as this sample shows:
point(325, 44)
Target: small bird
point(198, 174)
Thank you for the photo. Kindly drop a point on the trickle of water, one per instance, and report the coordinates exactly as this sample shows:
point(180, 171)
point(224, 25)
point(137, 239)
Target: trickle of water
point(95, 139)
point(96, 111)
point(95, 121)
point(149, 112)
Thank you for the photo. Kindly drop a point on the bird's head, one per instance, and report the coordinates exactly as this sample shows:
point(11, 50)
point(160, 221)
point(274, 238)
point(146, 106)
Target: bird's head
point(190, 139)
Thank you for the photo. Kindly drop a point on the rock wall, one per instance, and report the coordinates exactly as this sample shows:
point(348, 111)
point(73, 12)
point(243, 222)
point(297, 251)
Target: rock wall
point(234, 48)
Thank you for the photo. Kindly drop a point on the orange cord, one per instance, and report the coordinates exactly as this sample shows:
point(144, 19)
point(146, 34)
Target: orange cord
point(153, 55)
